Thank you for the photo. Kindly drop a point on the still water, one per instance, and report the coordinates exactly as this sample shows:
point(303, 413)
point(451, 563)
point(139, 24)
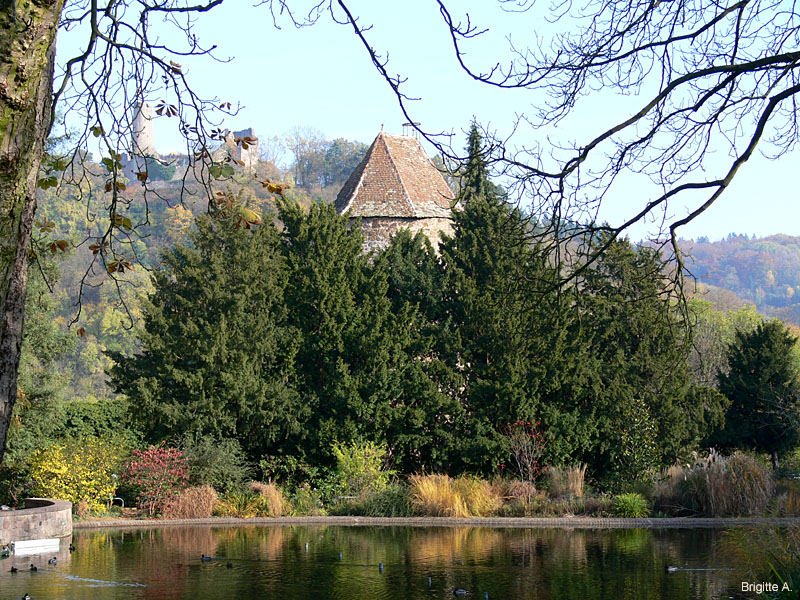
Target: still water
point(344, 563)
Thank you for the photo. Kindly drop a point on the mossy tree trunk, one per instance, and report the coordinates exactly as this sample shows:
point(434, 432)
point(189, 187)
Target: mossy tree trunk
point(27, 52)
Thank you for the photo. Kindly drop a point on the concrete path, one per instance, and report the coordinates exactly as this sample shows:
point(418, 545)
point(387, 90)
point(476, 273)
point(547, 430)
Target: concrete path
point(533, 522)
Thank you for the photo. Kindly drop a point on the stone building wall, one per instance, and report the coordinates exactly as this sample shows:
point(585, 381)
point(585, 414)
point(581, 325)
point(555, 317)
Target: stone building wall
point(42, 518)
point(379, 230)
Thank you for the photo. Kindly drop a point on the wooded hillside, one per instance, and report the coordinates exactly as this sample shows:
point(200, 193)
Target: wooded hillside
point(762, 271)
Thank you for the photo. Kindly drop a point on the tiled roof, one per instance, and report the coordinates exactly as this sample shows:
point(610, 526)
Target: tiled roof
point(395, 179)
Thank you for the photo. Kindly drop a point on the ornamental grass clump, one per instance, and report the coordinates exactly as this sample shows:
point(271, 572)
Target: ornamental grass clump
point(193, 503)
point(76, 471)
point(434, 496)
point(736, 486)
point(159, 474)
point(787, 498)
point(442, 496)
point(241, 505)
point(478, 495)
point(567, 481)
point(274, 502)
point(517, 490)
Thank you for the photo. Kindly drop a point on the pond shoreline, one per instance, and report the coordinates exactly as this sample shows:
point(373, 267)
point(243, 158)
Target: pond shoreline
point(499, 522)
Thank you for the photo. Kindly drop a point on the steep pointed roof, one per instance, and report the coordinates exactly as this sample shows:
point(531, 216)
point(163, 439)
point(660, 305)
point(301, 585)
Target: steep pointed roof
point(395, 179)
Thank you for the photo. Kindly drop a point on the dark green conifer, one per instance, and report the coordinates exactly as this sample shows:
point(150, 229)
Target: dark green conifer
point(637, 364)
point(474, 180)
point(764, 391)
point(217, 357)
point(498, 292)
point(359, 369)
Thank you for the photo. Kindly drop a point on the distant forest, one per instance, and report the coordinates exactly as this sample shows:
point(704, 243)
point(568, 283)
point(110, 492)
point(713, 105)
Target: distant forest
point(732, 272)
point(761, 271)
point(315, 172)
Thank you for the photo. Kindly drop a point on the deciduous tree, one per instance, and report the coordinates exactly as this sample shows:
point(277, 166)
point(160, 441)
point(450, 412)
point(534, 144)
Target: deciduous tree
point(117, 68)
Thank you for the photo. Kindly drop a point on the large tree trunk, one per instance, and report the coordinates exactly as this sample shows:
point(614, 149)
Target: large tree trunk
point(27, 52)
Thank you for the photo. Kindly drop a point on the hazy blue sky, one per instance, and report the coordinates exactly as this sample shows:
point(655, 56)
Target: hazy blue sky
point(321, 77)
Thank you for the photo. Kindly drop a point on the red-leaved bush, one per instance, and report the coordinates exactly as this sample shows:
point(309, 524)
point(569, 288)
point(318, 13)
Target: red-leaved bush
point(159, 473)
point(527, 443)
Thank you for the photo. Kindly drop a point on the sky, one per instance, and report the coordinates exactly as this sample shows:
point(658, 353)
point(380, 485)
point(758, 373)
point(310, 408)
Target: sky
point(321, 77)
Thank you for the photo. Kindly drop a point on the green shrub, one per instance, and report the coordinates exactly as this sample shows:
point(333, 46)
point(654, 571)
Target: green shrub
point(360, 468)
point(790, 464)
point(76, 471)
point(219, 463)
point(15, 484)
point(242, 505)
point(307, 502)
point(631, 506)
point(592, 506)
point(393, 501)
point(287, 471)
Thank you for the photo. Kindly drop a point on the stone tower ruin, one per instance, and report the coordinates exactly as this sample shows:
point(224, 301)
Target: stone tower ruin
point(143, 143)
point(396, 186)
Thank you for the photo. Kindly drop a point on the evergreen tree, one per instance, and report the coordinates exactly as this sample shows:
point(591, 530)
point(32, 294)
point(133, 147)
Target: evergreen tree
point(498, 293)
point(637, 364)
point(359, 371)
point(762, 386)
point(414, 288)
point(474, 180)
point(217, 358)
point(515, 353)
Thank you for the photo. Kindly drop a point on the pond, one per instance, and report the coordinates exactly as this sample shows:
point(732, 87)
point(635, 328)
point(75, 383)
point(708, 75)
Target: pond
point(372, 563)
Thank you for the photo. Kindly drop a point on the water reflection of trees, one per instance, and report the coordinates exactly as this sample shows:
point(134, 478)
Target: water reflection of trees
point(342, 562)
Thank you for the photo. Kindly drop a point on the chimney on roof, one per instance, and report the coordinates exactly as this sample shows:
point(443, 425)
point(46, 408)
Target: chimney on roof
point(410, 129)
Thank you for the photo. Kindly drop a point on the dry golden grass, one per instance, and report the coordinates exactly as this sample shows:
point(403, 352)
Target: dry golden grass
point(275, 502)
point(442, 496)
point(434, 496)
point(736, 486)
point(193, 503)
point(787, 498)
point(478, 496)
point(567, 481)
point(521, 490)
point(81, 509)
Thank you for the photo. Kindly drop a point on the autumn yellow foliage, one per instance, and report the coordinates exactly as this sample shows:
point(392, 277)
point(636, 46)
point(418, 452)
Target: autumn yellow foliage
point(74, 471)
